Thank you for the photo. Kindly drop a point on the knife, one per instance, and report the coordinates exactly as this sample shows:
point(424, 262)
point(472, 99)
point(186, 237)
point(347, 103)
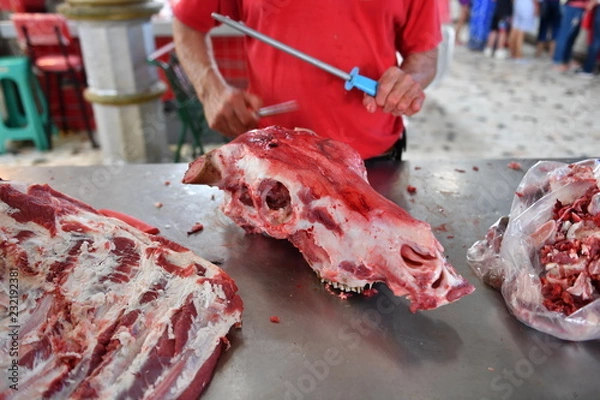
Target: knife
point(279, 108)
point(352, 79)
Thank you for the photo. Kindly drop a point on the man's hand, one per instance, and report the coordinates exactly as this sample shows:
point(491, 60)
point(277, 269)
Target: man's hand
point(401, 89)
point(398, 93)
point(232, 111)
point(227, 110)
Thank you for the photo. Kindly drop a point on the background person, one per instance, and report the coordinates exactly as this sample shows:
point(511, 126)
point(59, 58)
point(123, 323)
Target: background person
point(570, 25)
point(497, 39)
point(549, 26)
point(589, 66)
point(523, 21)
point(344, 34)
point(463, 19)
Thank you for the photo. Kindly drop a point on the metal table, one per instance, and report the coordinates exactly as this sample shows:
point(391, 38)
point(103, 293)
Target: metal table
point(361, 348)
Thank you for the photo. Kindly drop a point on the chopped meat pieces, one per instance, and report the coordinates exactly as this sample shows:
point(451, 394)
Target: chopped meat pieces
point(570, 255)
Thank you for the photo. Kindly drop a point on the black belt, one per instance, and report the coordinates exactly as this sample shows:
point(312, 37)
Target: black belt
point(394, 153)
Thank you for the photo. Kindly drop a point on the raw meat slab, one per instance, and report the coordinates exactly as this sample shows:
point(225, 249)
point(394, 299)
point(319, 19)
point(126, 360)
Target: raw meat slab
point(101, 309)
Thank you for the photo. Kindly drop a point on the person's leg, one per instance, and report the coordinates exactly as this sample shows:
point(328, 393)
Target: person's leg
point(502, 36)
point(519, 45)
point(573, 33)
point(512, 40)
point(554, 16)
point(462, 20)
point(501, 52)
point(492, 36)
point(526, 23)
point(542, 36)
point(559, 57)
point(551, 47)
point(491, 42)
point(594, 47)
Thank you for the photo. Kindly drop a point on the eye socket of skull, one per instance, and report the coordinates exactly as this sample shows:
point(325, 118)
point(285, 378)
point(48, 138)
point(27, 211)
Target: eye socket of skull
point(276, 201)
point(274, 194)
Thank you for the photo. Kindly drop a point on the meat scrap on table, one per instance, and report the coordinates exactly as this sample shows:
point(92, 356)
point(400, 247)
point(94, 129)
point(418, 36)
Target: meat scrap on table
point(198, 227)
point(314, 192)
point(102, 303)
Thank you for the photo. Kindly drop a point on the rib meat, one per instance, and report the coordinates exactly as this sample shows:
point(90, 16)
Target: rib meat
point(314, 192)
point(98, 309)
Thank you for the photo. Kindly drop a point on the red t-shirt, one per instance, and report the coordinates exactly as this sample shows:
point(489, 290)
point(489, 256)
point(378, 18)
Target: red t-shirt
point(345, 34)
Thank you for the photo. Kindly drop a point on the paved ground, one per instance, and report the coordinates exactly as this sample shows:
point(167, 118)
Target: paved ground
point(484, 108)
point(487, 108)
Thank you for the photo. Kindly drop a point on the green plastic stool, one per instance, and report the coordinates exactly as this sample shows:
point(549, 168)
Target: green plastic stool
point(27, 114)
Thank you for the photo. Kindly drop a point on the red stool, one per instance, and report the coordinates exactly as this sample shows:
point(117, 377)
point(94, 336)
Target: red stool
point(40, 30)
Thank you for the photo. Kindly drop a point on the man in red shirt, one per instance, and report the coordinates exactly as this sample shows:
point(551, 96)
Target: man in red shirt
point(351, 33)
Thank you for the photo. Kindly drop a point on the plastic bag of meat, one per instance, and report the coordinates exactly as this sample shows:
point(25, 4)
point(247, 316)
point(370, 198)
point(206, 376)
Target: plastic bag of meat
point(545, 257)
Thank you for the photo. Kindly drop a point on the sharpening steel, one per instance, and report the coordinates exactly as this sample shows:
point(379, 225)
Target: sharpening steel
point(353, 79)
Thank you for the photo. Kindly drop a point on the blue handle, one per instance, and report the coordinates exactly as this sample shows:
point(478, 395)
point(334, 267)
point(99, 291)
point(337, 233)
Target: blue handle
point(369, 86)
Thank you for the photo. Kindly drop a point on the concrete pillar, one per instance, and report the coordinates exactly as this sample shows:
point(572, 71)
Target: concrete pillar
point(116, 37)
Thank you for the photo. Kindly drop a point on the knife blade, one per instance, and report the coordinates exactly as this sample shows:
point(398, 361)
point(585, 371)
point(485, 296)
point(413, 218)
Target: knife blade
point(352, 79)
point(286, 106)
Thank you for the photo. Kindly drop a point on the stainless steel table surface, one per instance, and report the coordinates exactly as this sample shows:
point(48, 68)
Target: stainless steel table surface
point(360, 348)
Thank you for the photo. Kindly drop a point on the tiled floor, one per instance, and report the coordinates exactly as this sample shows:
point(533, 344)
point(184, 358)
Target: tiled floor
point(484, 108)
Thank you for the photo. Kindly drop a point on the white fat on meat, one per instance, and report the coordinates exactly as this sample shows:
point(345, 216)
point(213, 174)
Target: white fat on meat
point(71, 305)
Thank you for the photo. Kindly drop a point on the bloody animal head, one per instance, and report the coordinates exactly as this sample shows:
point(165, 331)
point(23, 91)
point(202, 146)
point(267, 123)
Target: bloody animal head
point(314, 192)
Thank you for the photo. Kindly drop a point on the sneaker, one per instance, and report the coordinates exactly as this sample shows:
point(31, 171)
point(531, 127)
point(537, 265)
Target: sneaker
point(488, 52)
point(501, 54)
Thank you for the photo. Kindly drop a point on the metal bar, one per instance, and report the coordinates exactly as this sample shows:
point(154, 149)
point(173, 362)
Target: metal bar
point(283, 47)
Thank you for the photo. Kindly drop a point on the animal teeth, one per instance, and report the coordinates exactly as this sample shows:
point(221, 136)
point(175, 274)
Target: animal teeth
point(341, 286)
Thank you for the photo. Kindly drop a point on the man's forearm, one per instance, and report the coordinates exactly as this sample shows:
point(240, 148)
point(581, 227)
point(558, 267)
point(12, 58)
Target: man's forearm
point(194, 51)
point(421, 66)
